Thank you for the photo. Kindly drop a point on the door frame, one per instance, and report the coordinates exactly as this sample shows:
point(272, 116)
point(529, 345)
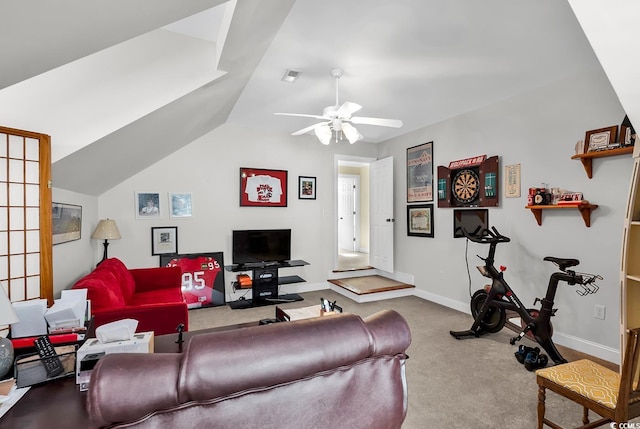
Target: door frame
point(344, 159)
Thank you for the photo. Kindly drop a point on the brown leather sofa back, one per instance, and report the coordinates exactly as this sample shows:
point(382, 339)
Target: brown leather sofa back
point(332, 371)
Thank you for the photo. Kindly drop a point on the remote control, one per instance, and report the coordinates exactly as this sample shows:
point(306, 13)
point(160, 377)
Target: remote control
point(50, 359)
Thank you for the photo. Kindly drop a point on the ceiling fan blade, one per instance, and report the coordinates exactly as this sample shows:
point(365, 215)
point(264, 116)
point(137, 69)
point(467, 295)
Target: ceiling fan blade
point(307, 129)
point(395, 123)
point(347, 109)
point(304, 115)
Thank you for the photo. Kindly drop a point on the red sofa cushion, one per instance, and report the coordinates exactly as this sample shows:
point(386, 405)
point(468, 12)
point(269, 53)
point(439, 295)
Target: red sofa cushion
point(123, 277)
point(102, 290)
point(157, 297)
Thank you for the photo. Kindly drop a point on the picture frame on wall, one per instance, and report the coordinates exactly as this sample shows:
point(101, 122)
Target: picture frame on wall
point(181, 205)
point(263, 188)
point(147, 205)
point(599, 139)
point(66, 222)
point(164, 240)
point(420, 220)
point(420, 173)
point(306, 188)
point(512, 181)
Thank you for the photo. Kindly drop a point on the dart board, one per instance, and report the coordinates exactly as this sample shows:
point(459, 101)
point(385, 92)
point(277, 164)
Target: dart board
point(465, 186)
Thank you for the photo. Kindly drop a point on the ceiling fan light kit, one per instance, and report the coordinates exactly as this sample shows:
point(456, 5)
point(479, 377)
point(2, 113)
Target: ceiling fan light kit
point(337, 120)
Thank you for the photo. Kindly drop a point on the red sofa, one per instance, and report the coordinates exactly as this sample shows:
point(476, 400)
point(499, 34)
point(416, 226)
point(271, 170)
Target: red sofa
point(152, 296)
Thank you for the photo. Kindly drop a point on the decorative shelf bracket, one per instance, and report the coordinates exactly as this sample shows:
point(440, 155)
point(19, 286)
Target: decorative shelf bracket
point(585, 211)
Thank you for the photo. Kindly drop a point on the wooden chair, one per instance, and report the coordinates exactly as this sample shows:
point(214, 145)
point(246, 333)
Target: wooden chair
point(615, 397)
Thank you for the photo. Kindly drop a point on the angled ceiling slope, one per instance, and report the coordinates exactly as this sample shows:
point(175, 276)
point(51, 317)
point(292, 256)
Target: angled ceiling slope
point(143, 97)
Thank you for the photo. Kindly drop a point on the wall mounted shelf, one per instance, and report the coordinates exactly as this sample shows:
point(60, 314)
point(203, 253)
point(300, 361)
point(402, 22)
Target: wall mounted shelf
point(587, 158)
point(585, 210)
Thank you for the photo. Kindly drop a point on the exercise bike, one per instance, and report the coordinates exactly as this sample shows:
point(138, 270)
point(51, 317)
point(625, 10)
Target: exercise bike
point(489, 306)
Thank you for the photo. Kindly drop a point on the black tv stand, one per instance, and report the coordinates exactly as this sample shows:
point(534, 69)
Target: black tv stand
point(266, 281)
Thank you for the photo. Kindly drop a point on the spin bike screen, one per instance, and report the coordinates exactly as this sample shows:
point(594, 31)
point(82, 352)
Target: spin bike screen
point(469, 219)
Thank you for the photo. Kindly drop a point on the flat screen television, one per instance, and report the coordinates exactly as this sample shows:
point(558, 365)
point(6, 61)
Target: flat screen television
point(260, 246)
point(470, 220)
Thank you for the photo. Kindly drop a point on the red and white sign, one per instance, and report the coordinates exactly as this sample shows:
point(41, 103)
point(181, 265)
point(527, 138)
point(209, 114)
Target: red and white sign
point(468, 162)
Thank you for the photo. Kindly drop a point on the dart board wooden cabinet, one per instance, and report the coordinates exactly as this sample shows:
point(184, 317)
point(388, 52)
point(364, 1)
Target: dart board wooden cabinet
point(470, 182)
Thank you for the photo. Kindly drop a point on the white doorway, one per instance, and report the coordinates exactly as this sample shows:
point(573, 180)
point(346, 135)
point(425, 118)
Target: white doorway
point(352, 208)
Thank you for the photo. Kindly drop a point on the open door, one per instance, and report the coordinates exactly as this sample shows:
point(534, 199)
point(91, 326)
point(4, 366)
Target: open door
point(382, 220)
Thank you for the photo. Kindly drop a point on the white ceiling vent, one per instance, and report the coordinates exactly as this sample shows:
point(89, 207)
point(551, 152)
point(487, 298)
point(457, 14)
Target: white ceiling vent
point(290, 76)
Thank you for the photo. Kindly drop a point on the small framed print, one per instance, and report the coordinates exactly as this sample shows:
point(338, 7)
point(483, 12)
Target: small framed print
point(306, 188)
point(164, 240)
point(147, 205)
point(512, 181)
point(180, 205)
point(420, 220)
point(596, 140)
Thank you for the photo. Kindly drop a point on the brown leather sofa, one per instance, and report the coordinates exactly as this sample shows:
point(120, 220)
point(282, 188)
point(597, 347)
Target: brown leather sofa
point(336, 371)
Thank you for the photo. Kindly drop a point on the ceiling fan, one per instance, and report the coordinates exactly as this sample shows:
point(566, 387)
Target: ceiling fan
point(337, 120)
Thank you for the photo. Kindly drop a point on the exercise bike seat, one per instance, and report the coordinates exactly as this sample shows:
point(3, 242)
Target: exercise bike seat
point(563, 263)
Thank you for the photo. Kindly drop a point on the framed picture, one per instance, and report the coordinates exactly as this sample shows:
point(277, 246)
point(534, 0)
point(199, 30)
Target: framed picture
point(420, 220)
point(202, 277)
point(599, 139)
point(147, 205)
point(66, 222)
point(263, 188)
point(180, 205)
point(164, 240)
point(420, 173)
point(512, 181)
point(306, 188)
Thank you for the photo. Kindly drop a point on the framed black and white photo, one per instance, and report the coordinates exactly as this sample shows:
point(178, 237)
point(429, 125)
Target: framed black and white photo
point(164, 240)
point(181, 205)
point(306, 188)
point(420, 220)
point(147, 205)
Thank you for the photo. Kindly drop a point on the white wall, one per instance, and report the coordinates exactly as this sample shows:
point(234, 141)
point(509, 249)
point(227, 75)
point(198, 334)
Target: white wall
point(538, 131)
point(74, 259)
point(209, 169)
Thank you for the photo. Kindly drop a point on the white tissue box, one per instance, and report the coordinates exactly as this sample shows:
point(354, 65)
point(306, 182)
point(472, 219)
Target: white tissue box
point(142, 342)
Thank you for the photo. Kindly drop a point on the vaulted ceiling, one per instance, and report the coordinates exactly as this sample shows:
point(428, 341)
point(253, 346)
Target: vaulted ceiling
point(120, 85)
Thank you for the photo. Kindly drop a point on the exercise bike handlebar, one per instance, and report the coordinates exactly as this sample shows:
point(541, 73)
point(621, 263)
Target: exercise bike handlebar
point(485, 235)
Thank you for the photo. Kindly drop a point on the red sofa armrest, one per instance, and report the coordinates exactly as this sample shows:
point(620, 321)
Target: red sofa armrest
point(161, 318)
point(149, 279)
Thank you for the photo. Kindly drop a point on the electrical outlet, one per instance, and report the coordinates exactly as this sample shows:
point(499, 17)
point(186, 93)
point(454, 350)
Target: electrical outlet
point(599, 311)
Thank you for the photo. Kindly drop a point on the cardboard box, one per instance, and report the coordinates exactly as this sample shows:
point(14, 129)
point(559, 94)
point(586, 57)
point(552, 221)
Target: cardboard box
point(141, 343)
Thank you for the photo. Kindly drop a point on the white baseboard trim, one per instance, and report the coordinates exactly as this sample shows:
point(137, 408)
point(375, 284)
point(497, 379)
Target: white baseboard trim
point(462, 307)
point(589, 347)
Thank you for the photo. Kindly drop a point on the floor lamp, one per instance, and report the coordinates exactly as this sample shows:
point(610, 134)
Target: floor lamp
point(106, 230)
point(7, 317)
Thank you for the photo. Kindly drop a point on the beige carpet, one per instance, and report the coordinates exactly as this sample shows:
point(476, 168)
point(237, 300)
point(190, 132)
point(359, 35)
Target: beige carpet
point(471, 383)
point(369, 284)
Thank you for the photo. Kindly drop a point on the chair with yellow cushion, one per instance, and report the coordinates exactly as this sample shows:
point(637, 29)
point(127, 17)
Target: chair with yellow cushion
point(615, 397)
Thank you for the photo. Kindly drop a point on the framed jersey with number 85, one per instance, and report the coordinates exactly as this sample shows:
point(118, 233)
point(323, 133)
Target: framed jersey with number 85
point(202, 277)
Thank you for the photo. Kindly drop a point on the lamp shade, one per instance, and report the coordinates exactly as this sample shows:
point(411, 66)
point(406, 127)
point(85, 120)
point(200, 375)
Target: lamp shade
point(106, 230)
point(7, 313)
